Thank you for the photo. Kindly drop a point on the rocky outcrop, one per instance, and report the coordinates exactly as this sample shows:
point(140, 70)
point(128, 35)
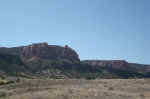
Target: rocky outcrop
point(120, 65)
point(43, 51)
point(110, 63)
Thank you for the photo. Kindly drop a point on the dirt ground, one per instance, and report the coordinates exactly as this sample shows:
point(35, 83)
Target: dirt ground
point(77, 89)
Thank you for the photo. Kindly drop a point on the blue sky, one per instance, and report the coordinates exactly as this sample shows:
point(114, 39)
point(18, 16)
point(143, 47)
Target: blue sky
point(96, 29)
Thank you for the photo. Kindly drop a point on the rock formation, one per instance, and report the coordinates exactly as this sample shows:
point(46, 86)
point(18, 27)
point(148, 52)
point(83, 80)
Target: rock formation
point(119, 65)
point(42, 51)
point(53, 61)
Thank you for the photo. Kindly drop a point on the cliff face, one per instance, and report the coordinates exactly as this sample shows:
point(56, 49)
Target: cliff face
point(120, 65)
point(42, 51)
point(110, 63)
point(41, 56)
point(50, 52)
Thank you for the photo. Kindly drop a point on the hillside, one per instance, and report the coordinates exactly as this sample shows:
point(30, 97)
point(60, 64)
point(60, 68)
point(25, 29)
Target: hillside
point(121, 67)
point(10, 64)
point(52, 61)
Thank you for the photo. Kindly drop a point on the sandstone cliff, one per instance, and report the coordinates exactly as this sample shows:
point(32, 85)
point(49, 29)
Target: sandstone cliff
point(42, 51)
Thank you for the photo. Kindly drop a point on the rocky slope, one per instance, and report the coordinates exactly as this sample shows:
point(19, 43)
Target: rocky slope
point(121, 67)
point(55, 61)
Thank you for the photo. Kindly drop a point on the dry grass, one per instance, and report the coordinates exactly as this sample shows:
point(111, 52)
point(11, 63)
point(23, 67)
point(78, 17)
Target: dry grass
point(78, 89)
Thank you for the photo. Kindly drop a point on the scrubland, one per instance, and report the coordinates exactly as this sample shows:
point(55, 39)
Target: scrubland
point(76, 89)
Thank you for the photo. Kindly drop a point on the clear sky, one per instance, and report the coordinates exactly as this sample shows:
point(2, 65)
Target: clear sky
point(96, 29)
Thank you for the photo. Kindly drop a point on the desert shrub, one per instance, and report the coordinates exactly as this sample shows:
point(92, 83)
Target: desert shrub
point(3, 94)
point(110, 88)
point(2, 77)
point(3, 82)
point(142, 96)
point(90, 78)
point(18, 80)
